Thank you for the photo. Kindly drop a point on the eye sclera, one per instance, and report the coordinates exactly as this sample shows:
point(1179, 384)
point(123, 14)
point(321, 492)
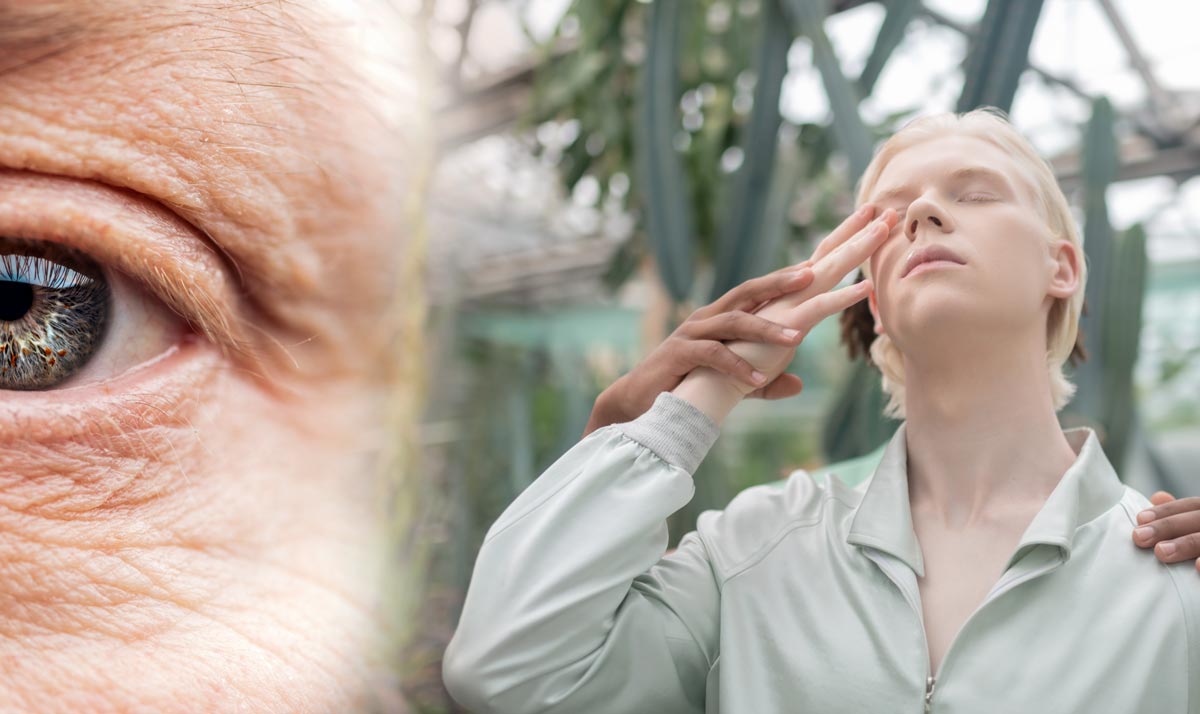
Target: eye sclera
point(141, 330)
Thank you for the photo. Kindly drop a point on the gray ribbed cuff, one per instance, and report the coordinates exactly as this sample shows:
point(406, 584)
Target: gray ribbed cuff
point(674, 429)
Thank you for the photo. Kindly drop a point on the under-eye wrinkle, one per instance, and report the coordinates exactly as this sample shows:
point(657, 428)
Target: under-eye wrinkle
point(54, 305)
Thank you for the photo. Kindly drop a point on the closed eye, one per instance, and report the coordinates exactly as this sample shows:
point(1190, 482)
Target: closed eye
point(977, 197)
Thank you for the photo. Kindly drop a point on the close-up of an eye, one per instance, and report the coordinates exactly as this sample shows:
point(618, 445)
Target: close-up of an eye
point(54, 308)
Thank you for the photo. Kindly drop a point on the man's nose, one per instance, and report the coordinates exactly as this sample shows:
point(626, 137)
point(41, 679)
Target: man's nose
point(929, 213)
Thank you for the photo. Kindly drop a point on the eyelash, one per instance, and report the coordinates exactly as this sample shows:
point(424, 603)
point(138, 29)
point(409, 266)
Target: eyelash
point(39, 271)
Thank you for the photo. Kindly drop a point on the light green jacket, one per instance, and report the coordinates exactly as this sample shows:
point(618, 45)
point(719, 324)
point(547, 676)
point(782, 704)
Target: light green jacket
point(802, 596)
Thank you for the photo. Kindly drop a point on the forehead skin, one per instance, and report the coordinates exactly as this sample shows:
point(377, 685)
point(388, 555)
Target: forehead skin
point(911, 169)
point(248, 121)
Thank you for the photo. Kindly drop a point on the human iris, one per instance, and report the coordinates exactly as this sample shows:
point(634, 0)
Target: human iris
point(54, 307)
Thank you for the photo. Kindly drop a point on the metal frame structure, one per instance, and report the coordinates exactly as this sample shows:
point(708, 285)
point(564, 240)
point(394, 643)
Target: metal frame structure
point(1171, 127)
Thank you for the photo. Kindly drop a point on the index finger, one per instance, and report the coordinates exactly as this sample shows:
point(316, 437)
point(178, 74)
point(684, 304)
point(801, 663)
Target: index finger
point(1170, 508)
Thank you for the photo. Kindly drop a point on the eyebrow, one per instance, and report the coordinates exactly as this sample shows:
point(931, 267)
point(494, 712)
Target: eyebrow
point(965, 173)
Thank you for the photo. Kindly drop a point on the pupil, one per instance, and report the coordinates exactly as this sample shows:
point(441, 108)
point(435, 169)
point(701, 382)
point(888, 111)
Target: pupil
point(15, 299)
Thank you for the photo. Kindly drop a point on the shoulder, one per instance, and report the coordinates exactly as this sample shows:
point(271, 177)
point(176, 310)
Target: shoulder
point(1132, 501)
point(1185, 581)
point(760, 516)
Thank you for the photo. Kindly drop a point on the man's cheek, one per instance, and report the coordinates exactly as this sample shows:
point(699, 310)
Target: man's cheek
point(68, 482)
point(115, 519)
point(95, 544)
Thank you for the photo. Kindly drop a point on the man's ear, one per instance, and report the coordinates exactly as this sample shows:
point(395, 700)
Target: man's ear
point(874, 306)
point(1065, 279)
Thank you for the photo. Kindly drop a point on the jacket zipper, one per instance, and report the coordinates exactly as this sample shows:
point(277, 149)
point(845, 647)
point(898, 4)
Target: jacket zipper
point(886, 566)
point(996, 592)
point(1000, 589)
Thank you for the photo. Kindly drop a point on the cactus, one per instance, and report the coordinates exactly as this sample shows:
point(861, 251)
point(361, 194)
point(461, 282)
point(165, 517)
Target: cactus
point(1122, 327)
point(999, 54)
point(659, 167)
point(744, 226)
point(1100, 167)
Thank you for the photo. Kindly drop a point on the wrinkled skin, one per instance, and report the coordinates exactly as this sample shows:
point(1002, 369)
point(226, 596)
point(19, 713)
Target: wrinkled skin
point(188, 525)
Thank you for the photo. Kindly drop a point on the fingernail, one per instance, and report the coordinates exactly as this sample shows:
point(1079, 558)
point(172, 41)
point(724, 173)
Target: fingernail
point(758, 377)
point(1168, 549)
point(790, 333)
point(1144, 532)
point(1146, 516)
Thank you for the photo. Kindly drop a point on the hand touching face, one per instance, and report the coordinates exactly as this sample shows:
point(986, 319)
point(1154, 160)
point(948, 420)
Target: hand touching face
point(198, 222)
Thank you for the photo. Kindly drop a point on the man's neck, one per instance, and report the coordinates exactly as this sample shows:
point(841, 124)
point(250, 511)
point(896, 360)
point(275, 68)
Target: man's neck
point(983, 439)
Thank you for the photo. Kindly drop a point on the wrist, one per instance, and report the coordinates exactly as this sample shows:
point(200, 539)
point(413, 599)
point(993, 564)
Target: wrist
point(711, 392)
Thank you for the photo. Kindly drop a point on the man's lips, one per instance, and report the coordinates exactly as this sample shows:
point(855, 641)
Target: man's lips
point(929, 254)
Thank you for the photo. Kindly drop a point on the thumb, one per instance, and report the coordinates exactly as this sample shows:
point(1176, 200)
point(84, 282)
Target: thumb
point(784, 386)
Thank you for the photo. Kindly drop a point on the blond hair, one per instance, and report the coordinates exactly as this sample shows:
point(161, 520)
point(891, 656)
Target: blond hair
point(991, 125)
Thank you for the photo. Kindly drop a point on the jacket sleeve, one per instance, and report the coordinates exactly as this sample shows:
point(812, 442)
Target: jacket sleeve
point(572, 606)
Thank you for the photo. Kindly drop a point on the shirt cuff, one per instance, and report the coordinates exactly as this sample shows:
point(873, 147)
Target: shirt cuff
point(675, 430)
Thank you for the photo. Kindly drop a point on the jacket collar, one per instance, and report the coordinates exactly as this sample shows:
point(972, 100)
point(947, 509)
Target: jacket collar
point(1089, 487)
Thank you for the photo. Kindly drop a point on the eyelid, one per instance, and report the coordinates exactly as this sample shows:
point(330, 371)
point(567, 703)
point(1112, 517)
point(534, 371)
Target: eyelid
point(129, 234)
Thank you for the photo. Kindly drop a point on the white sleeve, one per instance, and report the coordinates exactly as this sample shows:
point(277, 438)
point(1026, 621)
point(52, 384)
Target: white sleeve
point(572, 606)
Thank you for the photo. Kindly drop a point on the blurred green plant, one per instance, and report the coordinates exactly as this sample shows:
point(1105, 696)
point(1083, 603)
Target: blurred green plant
point(1115, 293)
point(1123, 307)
